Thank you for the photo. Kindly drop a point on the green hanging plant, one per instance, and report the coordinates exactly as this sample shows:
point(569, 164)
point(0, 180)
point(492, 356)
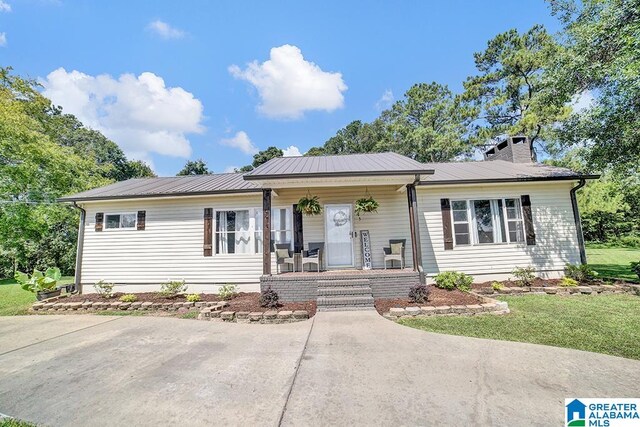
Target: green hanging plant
point(309, 205)
point(366, 204)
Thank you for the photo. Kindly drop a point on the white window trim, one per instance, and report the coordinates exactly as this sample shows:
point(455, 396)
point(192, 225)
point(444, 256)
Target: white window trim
point(253, 230)
point(120, 228)
point(473, 230)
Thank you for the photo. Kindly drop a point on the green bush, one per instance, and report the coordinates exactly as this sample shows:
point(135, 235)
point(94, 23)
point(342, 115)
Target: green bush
point(173, 288)
point(568, 282)
point(129, 298)
point(227, 292)
point(635, 267)
point(580, 273)
point(524, 275)
point(497, 286)
point(453, 279)
point(194, 298)
point(105, 290)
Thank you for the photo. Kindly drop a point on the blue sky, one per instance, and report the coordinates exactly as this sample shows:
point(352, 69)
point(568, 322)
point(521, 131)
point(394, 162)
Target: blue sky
point(158, 77)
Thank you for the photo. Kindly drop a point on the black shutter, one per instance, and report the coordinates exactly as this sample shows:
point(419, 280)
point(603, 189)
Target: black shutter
point(298, 238)
point(208, 232)
point(99, 221)
point(529, 232)
point(142, 217)
point(447, 232)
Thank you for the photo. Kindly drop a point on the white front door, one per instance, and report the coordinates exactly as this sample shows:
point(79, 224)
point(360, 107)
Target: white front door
point(338, 222)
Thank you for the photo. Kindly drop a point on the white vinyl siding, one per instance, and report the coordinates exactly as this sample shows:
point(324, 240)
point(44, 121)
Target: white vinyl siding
point(556, 239)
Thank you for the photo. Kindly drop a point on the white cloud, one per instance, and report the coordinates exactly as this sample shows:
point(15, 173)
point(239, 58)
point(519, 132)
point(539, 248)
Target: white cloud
point(4, 6)
point(582, 101)
point(164, 30)
point(292, 151)
point(288, 85)
point(140, 113)
point(240, 141)
point(3, 39)
point(385, 100)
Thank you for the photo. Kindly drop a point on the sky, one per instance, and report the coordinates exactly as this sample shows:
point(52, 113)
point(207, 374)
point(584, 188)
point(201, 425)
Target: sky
point(219, 80)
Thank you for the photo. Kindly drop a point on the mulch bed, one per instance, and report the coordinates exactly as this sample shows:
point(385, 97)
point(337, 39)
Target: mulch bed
point(437, 297)
point(243, 301)
point(538, 282)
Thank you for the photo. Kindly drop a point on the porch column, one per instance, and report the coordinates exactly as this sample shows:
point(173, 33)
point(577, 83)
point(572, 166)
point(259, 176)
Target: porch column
point(415, 230)
point(266, 232)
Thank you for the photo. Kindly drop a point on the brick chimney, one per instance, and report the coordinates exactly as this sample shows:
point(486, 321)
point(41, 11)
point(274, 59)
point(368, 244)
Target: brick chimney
point(515, 149)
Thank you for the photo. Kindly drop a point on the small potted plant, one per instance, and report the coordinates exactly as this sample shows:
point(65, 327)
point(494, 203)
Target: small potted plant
point(42, 284)
point(366, 204)
point(309, 205)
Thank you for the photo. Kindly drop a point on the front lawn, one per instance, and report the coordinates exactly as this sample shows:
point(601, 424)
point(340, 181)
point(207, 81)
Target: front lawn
point(607, 324)
point(14, 300)
point(613, 262)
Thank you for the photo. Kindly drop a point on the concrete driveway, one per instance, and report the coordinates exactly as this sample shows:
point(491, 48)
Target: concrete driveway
point(341, 368)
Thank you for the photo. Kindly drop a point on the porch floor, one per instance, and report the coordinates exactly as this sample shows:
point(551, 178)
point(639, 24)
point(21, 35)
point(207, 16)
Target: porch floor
point(326, 274)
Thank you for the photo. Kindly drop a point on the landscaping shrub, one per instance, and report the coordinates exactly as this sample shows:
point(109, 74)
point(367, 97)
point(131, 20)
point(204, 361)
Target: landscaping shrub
point(453, 279)
point(128, 298)
point(269, 298)
point(635, 266)
point(105, 290)
point(419, 293)
point(580, 273)
point(524, 275)
point(194, 298)
point(568, 282)
point(173, 288)
point(227, 292)
point(497, 286)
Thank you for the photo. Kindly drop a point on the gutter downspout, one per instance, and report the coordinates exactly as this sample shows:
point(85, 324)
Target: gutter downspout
point(576, 218)
point(79, 249)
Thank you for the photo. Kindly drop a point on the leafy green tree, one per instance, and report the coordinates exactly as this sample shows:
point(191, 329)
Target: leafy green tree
point(137, 169)
point(510, 92)
point(196, 167)
point(262, 157)
point(600, 58)
point(430, 124)
point(315, 151)
point(356, 137)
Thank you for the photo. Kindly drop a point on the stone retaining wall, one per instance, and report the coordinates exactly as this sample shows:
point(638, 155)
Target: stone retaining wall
point(487, 307)
point(283, 316)
point(88, 306)
point(560, 290)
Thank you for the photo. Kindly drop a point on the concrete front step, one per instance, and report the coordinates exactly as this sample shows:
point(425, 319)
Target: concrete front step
point(345, 301)
point(345, 291)
point(341, 283)
point(349, 308)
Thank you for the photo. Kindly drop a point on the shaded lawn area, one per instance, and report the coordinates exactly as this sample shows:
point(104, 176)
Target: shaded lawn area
point(14, 300)
point(607, 324)
point(613, 262)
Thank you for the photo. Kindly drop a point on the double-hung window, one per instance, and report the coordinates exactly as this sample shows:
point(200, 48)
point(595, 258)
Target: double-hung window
point(239, 231)
point(485, 221)
point(120, 220)
point(281, 227)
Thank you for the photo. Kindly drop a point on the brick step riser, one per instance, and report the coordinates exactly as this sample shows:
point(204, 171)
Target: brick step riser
point(342, 301)
point(350, 308)
point(345, 292)
point(342, 283)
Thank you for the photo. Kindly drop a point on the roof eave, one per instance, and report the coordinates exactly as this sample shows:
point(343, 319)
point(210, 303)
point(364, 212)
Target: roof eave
point(158, 195)
point(518, 179)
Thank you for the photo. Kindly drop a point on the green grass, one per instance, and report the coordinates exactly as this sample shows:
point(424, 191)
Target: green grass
point(613, 263)
point(608, 324)
point(14, 300)
point(11, 422)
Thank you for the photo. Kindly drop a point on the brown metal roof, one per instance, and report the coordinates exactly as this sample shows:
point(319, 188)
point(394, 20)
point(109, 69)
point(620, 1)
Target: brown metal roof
point(356, 164)
point(341, 165)
point(169, 186)
point(497, 171)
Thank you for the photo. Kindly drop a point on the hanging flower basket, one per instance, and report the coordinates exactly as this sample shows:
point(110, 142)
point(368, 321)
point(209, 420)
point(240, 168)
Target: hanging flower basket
point(366, 204)
point(309, 205)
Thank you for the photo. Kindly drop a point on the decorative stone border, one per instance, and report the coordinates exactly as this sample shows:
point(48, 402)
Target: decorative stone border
point(88, 306)
point(284, 316)
point(562, 290)
point(488, 306)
